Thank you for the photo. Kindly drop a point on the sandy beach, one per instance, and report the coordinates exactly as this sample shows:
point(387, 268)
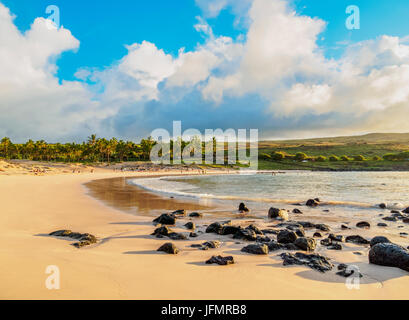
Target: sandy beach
point(124, 264)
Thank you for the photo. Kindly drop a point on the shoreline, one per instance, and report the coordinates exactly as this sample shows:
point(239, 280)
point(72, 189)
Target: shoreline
point(124, 264)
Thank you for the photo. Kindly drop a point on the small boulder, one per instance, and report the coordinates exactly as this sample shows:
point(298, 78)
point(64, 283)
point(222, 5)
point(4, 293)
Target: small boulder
point(312, 203)
point(190, 226)
point(226, 230)
point(322, 227)
point(243, 208)
point(306, 244)
point(245, 234)
point(382, 205)
point(211, 244)
point(317, 235)
point(179, 213)
point(169, 248)
point(381, 224)
point(286, 236)
point(195, 215)
point(335, 246)
point(275, 213)
point(363, 224)
point(389, 254)
point(337, 238)
point(165, 218)
point(177, 236)
point(256, 249)
point(297, 211)
point(223, 261)
point(390, 218)
point(162, 231)
point(406, 210)
point(379, 239)
point(357, 239)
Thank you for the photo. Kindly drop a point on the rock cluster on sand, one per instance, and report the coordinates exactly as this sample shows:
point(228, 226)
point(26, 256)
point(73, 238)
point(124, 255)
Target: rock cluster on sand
point(314, 261)
point(169, 248)
point(84, 239)
point(164, 231)
point(223, 261)
point(357, 239)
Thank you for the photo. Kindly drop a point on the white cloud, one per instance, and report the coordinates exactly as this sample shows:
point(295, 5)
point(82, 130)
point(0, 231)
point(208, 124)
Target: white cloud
point(275, 77)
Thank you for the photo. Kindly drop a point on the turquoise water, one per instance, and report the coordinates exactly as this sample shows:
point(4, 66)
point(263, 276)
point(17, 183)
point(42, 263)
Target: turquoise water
point(355, 189)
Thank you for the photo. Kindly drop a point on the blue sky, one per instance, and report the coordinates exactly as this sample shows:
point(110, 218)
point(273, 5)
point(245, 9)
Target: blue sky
point(287, 67)
point(104, 27)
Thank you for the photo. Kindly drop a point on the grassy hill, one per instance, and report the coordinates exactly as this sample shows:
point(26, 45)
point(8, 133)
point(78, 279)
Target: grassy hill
point(369, 146)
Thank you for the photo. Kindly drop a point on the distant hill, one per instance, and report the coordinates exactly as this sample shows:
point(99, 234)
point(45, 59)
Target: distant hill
point(398, 140)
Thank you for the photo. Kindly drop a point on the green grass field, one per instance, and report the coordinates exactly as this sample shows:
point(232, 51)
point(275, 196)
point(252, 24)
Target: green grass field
point(369, 146)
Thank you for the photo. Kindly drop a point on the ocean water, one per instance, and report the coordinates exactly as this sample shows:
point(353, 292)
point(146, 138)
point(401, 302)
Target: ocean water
point(351, 189)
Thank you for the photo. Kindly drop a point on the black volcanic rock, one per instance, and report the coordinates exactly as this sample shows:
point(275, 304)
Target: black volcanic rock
point(389, 254)
point(169, 248)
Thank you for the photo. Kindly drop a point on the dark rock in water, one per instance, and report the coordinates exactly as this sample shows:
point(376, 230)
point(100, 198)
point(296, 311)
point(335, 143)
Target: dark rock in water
point(337, 238)
point(180, 213)
point(255, 229)
point(190, 226)
point(405, 220)
point(193, 235)
point(163, 231)
point(314, 261)
point(312, 203)
point(226, 230)
point(382, 205)
point(177, 236)
point(245, 234)
point(363, 224)
point(390, 255)
point(256, 249)
point(286, 236)
point(381, 224)
point(317, 235)
point(195, 215)
point(393, 219)
point(243, 208)
point(270, 231)
point(297, 211)
point(345, 227)
point(357, 253)
point(169, 248)
point(306, 244)
point(322, 227)
point(326, 242)
point(165, 218)
point(335, 246)
point(275, 213)
point(406, 210)
point(347, 271)
point(356, 239)
point(212, 244)
point(326, 210)
point(403, 234)
point(317, 199)
point(223, 261)
point(379, 239)
point(395, 211)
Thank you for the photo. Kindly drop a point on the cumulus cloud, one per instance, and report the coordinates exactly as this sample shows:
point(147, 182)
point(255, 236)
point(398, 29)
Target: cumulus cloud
point(275, 78)
point(33, 104)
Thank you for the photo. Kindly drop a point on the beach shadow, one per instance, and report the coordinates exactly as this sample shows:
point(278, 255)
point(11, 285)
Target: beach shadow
point(135, 223)
point(45, 235)
point(142, 252)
